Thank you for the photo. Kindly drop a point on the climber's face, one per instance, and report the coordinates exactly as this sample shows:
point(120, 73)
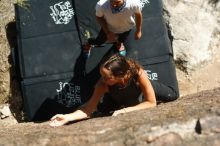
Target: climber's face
point(116, 3)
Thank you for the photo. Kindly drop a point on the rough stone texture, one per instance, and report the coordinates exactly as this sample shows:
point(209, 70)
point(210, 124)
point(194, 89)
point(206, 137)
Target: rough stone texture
point(6, 11)
point(9, 89)
point(191, 120)
point(195, 30)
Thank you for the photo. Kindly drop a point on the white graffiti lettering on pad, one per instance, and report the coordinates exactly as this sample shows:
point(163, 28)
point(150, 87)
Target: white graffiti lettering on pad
point(68, 94)
point(151, 76)
point(62, 12)
point(144, 2)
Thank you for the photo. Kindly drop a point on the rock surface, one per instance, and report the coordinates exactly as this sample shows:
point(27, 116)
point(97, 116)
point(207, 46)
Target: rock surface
point(191, 120)
point(195, 31)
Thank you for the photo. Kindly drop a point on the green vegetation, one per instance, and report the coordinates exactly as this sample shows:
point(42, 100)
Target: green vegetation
point(22, 3)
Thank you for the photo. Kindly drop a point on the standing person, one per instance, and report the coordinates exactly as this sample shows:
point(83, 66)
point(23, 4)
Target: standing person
point(116, 18)
point(124, 80)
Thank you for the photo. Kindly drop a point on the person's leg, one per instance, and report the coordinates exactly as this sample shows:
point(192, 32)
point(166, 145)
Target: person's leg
point(120, 48)
point(121, 39)
point(100, 39)
point(164, 93)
